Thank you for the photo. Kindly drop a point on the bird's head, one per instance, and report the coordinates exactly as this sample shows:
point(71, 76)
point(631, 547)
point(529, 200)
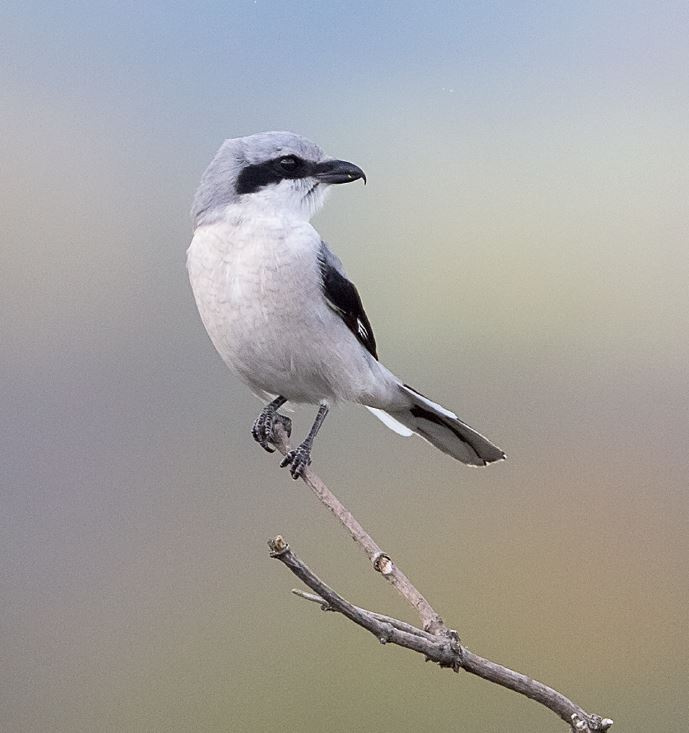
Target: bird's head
point(276, 172)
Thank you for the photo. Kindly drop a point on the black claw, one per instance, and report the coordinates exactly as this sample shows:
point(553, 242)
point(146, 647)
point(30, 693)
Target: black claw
point(262, 430)
point(298, 461)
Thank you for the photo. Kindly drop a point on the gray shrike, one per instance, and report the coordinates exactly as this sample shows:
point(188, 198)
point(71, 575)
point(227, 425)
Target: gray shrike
point(278, 306)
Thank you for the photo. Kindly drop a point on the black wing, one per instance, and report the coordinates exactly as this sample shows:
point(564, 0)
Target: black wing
point(343, 298)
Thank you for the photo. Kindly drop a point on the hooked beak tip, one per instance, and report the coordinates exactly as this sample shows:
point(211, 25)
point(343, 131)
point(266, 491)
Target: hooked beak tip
point(339, 171)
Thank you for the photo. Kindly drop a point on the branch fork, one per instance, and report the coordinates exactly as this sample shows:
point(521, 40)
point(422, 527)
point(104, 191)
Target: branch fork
point(434, 640)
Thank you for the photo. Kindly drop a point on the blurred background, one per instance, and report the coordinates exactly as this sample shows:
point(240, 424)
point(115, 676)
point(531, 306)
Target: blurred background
point(521, 250)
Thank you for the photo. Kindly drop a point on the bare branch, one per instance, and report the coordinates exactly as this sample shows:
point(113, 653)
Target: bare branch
point(438, 648)
point(446, 650)
point(435, 640)
point(401, 625)
point(381, 561)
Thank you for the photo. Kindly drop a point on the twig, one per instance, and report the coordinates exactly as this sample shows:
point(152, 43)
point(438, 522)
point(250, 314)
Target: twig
point(401, 625)
point(381, 561)
point(445, 650)
point(385, 632)
point(435, 640)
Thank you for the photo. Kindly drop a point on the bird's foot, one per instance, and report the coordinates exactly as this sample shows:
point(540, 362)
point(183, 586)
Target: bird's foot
point(264, 425)
point(298, 460)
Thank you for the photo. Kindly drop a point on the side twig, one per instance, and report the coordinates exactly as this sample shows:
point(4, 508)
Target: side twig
point(435, 640)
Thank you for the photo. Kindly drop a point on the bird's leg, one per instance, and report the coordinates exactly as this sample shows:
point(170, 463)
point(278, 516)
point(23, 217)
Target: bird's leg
point(299, 458)
point(263, 426)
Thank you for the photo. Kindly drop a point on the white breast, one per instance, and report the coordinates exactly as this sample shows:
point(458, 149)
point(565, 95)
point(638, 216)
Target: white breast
point(257, 285)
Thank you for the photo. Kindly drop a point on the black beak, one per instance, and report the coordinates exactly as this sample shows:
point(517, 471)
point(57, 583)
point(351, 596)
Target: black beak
point(338, 171)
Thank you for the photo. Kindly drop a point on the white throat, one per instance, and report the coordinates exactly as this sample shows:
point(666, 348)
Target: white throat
point(296, 200)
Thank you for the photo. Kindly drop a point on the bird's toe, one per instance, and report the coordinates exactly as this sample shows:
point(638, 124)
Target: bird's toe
point(298, 461)
point(262, 430)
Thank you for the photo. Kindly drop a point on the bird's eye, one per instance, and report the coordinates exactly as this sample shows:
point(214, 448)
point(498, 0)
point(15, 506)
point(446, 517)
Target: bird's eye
point(289, 163)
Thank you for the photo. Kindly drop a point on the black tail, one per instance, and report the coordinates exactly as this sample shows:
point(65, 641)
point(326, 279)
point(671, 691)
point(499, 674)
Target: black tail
point(441, 428)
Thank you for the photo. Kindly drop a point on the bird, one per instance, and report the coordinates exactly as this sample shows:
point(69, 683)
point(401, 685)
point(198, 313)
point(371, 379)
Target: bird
point(279, 307)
